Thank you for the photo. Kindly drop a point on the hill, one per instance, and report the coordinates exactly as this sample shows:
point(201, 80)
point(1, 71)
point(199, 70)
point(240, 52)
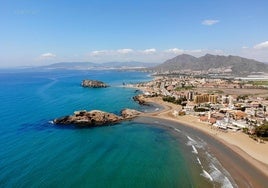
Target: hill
point(234, 65)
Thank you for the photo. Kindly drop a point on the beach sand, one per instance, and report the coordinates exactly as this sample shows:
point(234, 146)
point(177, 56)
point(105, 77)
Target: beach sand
point(244, 158)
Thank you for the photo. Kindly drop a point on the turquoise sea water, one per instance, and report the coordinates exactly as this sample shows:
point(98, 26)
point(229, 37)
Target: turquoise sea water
point(36, 153)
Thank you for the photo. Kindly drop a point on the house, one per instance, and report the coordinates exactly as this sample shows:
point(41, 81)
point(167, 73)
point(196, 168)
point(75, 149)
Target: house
point(203, 118)
point(240, 124)
point(189, 107)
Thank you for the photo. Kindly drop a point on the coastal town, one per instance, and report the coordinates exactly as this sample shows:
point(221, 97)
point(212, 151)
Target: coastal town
point(228, 105)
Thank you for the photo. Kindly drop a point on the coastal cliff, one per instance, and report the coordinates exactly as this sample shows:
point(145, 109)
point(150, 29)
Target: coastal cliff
point(95, 118)
point(94, 84)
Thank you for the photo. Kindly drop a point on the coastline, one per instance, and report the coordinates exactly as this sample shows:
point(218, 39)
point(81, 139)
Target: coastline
point(250, 154)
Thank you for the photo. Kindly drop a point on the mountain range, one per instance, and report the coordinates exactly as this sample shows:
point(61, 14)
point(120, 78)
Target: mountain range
point(107, 65)
point(234, 65)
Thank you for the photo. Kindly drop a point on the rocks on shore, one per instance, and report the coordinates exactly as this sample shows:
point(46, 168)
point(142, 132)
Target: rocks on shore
point(129, 113)
point(95, 118)
point(139, 99)
point(94, 84)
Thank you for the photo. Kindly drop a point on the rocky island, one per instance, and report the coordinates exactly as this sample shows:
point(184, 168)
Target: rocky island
point(94, 84)
point(95, 118)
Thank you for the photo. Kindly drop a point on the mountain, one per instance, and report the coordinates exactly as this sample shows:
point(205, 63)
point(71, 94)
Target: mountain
point(213, 63)
point(71, 65)
point(108, 65)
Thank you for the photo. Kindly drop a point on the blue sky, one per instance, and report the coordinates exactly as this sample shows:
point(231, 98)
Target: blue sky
point(40, 32)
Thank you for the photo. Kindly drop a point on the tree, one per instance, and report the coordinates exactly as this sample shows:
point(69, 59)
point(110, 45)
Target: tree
point(243, 97)
point(262, 131)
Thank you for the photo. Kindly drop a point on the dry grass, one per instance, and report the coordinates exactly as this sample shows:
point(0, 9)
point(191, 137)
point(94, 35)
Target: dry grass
point(255, 92)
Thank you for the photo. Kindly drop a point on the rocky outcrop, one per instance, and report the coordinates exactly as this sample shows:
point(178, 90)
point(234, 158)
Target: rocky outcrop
point(89, 119)
point(93, 84)
point(139, 99)
point(95, 118)
point(129, 113)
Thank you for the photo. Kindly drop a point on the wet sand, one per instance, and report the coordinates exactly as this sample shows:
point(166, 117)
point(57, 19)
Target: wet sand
point(245, 159)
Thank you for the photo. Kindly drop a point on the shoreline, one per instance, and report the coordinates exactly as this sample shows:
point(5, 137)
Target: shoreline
point(248, 150)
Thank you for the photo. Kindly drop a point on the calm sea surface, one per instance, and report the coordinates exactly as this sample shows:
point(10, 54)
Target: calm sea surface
point(36, 153)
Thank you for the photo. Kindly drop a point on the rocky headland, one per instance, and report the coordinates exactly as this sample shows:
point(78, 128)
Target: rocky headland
point(140, 99)
point(95, 118)
point(94, 84)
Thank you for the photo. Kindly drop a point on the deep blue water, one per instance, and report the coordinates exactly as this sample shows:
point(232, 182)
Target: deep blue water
point(36, 153)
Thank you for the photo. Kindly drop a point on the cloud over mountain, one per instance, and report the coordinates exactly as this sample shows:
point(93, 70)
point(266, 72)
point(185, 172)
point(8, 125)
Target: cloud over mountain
point(149, 51)
point(47, 55)
point(125, 51)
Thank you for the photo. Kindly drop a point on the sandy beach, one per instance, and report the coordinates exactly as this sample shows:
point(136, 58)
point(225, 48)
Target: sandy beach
point(254, 153)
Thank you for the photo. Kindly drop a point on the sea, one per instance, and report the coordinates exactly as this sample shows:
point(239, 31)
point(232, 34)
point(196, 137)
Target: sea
point(135, 153)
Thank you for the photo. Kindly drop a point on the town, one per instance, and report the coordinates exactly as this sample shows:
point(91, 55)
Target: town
point(226, 104)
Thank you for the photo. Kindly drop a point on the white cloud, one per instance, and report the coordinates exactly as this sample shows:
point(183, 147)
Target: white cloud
point(193, 52)
point(47, 55)
point(175, 51)
point(149, 51)
point(155, 55)
point(147, 55)
point(261, 45)
point(210, 22)
point(111, 52)
point(125, 51)
point(99, 52)
point(244, 47)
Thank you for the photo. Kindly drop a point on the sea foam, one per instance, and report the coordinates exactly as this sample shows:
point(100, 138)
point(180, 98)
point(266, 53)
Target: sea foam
point(194, 150)
point(51, 122)
point(207, 175)
point(220, 176)
point(198, 144)
point(178, 130)
point(214, 171)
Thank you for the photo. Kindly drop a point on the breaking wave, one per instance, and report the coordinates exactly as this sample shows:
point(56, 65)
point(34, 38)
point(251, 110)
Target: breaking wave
point(212, 169)
point(178, 130)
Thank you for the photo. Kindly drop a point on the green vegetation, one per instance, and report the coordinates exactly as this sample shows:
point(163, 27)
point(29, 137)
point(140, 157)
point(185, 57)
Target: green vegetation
point(243, 97)
point(173, 100)
point(259, 82)
point(245, 130)
point(184, 88)
point(200, 109)
point(262, 131)
point(215, 92)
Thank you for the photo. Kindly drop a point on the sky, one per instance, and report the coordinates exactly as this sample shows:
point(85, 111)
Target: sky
point(41, 32)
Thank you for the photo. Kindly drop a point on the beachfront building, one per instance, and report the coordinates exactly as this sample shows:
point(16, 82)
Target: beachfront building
point(204, 98)
point(213, 99)
point(240, 123)
point(190, 96)
point(189, 107)
point(201, 98)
